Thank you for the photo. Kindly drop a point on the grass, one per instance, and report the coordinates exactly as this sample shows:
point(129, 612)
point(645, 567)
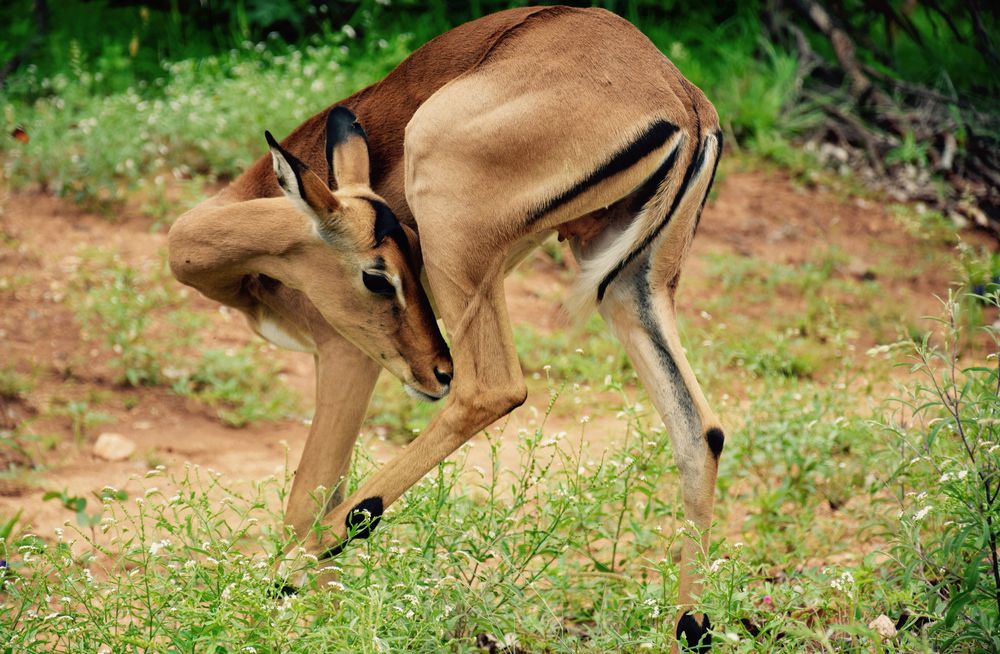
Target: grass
point(570, 543)
point(13, 385)
point(191, 123)
point(570, 550)
point(587, 355)
point(152, 338)
point(115, 303)
point(83, 415)
point(504, 554)
point(239, 385)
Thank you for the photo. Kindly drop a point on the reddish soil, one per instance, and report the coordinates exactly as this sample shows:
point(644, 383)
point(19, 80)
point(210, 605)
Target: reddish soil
point(757, 214)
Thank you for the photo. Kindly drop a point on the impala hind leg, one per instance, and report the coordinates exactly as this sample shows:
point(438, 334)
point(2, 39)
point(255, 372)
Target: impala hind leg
point(640, 312)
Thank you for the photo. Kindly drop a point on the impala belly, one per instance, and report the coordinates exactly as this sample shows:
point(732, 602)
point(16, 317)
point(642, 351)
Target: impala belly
point(520, 251)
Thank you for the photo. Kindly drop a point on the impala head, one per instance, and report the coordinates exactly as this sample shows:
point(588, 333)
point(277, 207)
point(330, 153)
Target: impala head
point(372, 292)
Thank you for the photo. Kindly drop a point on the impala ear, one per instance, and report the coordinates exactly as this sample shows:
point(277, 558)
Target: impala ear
point(302, 186)
point(414, 242)
point(346, 149)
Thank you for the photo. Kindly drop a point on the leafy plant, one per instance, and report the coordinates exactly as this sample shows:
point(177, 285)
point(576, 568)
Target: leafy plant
point(242, 386)
point(948, 484)
point(78, 505)
point(82, 416)
point(13, 385)
point(115, 303)
point(8, 526)
point(910, 151)
point(981, 273)
point(121, 304)
point(558, 547)
point(188, 121)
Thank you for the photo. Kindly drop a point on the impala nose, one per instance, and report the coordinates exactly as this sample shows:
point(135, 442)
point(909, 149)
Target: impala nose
point(444, 378)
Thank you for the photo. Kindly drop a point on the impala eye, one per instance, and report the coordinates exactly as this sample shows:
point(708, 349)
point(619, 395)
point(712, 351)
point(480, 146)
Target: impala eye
point(378, 284)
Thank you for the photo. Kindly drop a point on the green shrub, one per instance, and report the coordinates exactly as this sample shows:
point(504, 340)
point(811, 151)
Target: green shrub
point(947, 484)
point(557, 548)
point(13, 384)
point(82, 414)
point(202, 117)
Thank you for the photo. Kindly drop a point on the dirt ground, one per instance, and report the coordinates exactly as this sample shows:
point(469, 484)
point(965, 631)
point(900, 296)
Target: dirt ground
point(755, 213)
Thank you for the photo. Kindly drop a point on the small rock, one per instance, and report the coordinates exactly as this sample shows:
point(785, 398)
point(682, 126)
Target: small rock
point(173, 373)
point(883, 626)
point(113, 447)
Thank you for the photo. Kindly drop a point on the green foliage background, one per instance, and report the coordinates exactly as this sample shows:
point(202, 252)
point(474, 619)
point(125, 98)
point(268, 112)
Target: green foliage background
point(117, 95)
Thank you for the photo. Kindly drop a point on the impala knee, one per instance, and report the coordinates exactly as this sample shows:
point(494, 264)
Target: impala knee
point(185, 255)
point(497, 402)
point(484, 405)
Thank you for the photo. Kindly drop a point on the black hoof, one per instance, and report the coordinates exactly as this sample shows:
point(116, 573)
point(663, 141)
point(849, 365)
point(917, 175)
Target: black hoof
point(692, 636)
point(360, 523)
point(363, 518)
point(280, 589)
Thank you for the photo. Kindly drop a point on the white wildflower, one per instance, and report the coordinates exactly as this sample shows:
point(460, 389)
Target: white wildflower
point(843, 583)
point(154, 548)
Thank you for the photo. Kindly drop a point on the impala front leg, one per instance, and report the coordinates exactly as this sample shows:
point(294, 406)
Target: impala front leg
point(488, 384)
point(345, 378)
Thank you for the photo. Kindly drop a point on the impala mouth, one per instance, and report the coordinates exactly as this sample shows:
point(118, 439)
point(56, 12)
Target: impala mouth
point(424, 396)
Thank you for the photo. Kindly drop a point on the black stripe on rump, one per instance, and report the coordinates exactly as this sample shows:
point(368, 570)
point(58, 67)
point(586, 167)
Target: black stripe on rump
point(697, 161)
point(711, 180)
point(652, 184)
point(649, 141)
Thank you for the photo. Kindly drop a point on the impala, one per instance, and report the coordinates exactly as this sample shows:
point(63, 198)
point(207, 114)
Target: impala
point(464, 158)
